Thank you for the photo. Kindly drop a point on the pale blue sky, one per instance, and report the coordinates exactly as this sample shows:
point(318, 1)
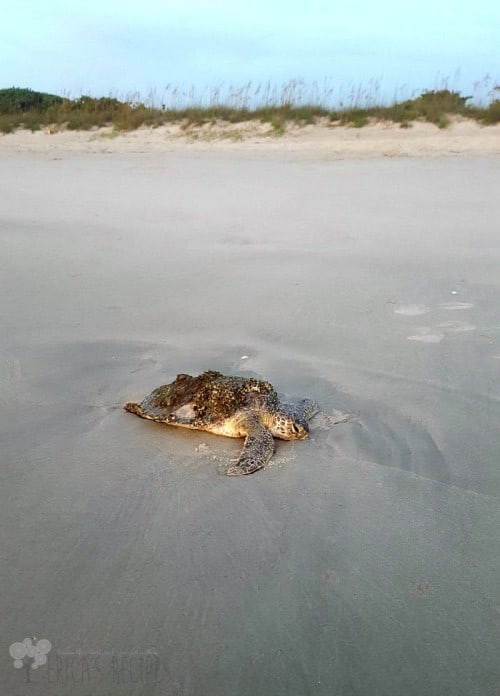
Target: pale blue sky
point(119, 47)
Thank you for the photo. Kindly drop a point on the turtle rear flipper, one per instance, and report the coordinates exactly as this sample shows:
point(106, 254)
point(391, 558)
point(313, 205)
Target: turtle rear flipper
point(257, 450)
point(134, 408)
point(184, 415)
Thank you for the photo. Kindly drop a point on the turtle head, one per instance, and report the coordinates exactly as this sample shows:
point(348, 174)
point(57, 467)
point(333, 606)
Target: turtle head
point(289, 427)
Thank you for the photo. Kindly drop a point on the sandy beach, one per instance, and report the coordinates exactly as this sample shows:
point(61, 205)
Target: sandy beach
point(359, 268)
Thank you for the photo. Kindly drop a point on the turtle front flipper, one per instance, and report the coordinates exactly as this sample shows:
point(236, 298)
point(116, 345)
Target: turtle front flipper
point(304, 410)
point(308, 408)
point(257, 450)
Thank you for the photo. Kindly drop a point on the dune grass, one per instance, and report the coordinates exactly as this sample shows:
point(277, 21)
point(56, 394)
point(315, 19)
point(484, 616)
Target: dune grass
point(24, 108)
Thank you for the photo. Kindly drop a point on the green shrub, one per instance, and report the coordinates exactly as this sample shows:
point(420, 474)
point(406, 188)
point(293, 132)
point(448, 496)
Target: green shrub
point(433, 106)
point(6, 125)
point(16, 100)
point(491, 115)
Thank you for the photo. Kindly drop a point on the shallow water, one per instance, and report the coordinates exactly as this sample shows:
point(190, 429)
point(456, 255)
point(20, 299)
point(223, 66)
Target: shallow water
point(363, 561)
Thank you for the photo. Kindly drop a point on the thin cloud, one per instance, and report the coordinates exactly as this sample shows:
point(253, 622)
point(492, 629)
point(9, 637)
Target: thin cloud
point(120, 47)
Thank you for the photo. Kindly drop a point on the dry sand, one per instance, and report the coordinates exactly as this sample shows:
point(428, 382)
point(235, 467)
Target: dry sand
point(320, 141)
point(362, 562)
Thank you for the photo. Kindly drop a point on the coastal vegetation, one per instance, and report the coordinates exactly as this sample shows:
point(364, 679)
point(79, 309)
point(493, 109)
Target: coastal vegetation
point(25, 108)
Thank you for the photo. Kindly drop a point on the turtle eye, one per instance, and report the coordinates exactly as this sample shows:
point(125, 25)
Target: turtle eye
point(295, 429)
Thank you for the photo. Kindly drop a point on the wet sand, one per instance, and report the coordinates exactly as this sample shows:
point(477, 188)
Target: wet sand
point(362, 562)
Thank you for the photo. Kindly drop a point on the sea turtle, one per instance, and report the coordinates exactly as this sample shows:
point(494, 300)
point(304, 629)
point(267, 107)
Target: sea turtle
point(231, 406)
